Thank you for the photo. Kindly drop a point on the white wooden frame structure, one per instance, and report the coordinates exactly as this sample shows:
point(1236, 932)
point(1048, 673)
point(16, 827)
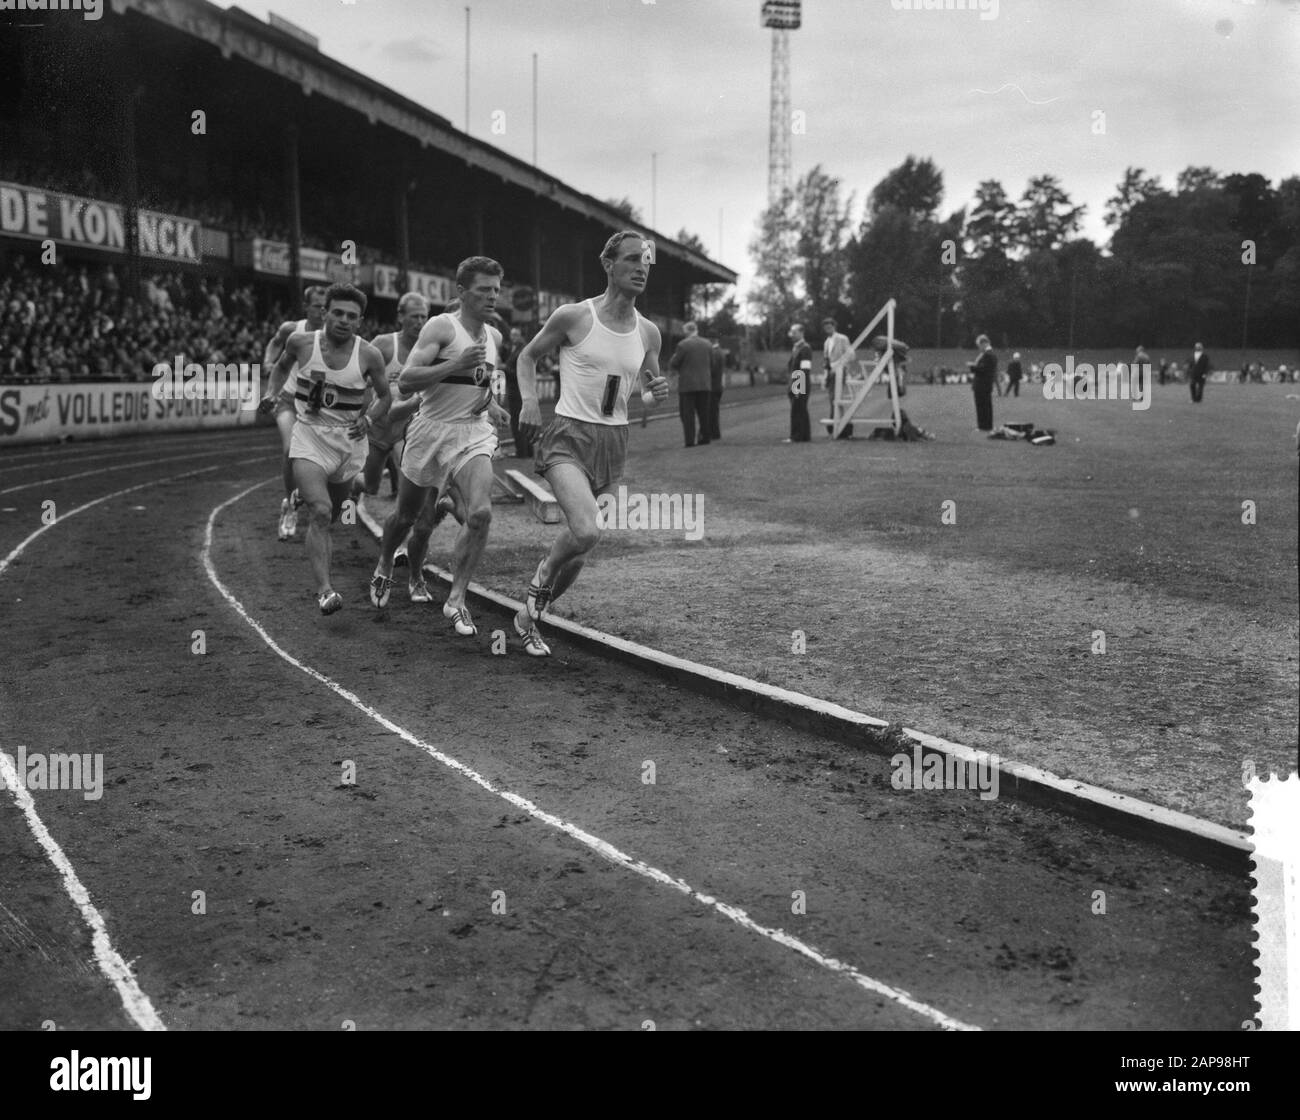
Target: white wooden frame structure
point(845, 408)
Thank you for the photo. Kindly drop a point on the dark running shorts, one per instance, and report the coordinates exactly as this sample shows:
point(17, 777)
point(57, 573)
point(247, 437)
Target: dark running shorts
point(599, 449)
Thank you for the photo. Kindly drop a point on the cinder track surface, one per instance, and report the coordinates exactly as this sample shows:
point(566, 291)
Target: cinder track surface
point(374, 902)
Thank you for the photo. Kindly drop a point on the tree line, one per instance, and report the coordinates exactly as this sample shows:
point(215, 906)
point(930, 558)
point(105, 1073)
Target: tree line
point(1215, 258)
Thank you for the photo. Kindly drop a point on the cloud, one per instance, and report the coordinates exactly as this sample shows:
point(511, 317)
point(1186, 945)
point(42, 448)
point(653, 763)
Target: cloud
point(419, 48)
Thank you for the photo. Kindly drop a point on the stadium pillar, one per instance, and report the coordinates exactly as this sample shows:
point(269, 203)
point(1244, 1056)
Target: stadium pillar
point(295, 212)
point(404, 232)
point(537, 269)
point(131, 195)
point(478, 227)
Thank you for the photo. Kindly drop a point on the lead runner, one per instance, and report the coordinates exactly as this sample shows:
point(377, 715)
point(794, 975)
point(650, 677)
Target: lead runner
point(605, 345)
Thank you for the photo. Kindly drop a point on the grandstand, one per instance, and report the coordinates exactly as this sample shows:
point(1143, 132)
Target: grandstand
point(250, 165)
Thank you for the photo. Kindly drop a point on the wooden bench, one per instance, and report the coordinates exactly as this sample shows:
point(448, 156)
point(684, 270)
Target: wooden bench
point(537, 497)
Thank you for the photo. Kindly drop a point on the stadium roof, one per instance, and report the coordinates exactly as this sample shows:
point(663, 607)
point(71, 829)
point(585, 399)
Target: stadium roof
point(237, 33)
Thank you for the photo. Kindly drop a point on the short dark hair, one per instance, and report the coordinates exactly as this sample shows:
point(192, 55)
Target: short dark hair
point(610, 251)
point(314, 290)
point(472, 266)
point(346, 293)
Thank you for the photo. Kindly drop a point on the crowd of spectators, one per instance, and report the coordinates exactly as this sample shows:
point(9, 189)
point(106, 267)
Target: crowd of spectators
point(63, 323)
point(76, 323)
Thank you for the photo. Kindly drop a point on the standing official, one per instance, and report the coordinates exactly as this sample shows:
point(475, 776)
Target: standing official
point(1197, 371)
point(1015, 373)
point(692, 362)
point(800, 370)
point(984, 370)
point(836, 355)
point(514, 402)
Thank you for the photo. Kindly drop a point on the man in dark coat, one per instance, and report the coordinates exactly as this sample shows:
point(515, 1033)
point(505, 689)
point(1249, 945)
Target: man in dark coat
point(1197, 371)
point(984, 370)
point(800, 370)
point(691, 361)
point(1015, 372)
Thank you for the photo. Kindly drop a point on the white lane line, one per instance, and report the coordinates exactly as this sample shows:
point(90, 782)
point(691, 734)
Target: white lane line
point(118, 467)
point(601, 847)
point(67, 453)
point(13, 555)
point(109, 959)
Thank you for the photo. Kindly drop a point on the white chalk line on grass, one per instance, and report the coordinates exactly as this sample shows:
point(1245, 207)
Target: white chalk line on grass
point(601, 847)
point(109, 959)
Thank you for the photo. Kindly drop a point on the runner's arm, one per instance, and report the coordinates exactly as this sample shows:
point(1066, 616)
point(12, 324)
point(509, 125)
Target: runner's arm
point(656, 382)
point(549, 338)
point(283, 365)
point(422, 370)
point(278, 342)
point(373, 364)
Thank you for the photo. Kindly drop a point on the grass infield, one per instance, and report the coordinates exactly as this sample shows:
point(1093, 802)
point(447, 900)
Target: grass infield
point(988, 630)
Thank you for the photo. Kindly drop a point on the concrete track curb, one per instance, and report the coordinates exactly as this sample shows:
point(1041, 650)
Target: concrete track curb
point(1186, 836)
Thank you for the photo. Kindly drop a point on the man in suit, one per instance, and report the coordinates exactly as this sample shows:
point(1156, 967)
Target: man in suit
point(692, 362)
point(836, 355)
point(800, 370)
point(1015, 373)
point(515, 402)
point(984, 371)
point(1198, 371)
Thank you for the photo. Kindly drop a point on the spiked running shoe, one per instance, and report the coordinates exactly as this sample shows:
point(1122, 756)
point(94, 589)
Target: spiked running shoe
point(533, 644)
point(330, 601)
point(539, 595)
point(460, 617)
point(419, 591)
point(288, 521)
point(381, 586)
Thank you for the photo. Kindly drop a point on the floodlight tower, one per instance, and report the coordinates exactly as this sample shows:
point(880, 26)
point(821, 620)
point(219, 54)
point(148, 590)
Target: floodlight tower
point(782, 16)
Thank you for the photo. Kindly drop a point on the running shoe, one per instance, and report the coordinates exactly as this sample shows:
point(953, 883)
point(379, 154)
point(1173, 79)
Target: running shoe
point(533, 644)
point(288, 520)
point(539, 594)
point(419, 591)
point(400, 559)
point(381, 586)
point(330, 601)
point(460, 616)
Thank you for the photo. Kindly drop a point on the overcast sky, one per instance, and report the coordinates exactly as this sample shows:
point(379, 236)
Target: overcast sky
point(1180, 82)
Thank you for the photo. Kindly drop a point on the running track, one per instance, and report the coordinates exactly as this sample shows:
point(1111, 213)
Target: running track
point(486, 784)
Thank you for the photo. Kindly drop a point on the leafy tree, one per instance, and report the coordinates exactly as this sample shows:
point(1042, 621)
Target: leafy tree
point(991, 223)
point(1192, 179)
point(1135, 187)
point(625, 207)
point(799, 260)
point(775, 298)
point(822, 230)
point(915, 187)
point(1045, 219)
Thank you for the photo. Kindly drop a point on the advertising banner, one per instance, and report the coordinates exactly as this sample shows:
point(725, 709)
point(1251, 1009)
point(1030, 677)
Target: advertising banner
point(68, 219)
point(272, 258)
point(46, 413)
